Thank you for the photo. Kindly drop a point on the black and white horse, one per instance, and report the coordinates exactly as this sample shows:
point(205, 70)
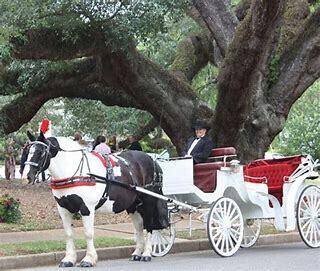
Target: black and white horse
point(75, 192)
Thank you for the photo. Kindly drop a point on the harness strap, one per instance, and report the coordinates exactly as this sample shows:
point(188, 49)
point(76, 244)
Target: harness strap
point(72, 181)
point(109, 176)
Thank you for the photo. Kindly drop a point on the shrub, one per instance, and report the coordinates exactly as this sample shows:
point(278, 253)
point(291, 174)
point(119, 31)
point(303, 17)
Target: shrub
point(9, 209)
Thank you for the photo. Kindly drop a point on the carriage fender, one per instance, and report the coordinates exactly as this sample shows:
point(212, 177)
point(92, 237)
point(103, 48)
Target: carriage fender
point(231, 184)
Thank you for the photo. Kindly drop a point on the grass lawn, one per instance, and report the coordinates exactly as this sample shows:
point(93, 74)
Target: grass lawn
point(51, 246)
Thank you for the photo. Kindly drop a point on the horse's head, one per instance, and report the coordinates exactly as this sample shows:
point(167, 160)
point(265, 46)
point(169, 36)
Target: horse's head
point(40, 153)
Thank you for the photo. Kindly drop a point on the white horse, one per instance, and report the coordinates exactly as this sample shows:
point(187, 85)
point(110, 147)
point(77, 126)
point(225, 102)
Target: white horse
point(75, 192)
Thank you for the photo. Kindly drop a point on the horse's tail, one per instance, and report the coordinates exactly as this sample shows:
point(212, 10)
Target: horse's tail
point(154, 210)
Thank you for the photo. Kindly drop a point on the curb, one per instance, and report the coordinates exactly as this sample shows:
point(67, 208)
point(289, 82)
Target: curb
point(53, 258)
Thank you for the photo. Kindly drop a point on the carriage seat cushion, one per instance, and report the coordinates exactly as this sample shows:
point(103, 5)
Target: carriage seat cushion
point(205, 176)
point(275, 174)
point(275, 171)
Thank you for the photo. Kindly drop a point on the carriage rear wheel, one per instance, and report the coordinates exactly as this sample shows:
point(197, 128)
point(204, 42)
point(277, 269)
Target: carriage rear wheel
point(308, 216)
point(252, 228)
point(162, 241)
point(225, 227)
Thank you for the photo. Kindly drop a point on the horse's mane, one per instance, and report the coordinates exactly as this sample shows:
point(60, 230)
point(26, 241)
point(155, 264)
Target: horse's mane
point(68, 144)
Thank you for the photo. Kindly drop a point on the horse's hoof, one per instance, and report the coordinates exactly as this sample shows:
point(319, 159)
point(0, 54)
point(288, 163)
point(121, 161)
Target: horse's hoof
point(135, 258)
point(86, 264)
point(66, 264)
point(146, 259)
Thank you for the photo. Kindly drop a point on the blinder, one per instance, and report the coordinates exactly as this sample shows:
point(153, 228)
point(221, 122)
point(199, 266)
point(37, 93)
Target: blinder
point(43, 162)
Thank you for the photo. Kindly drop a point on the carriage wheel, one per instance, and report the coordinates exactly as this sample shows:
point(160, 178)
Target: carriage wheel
point(308, 216)
point(225, 227)
point(252, 228)
point(162, 241)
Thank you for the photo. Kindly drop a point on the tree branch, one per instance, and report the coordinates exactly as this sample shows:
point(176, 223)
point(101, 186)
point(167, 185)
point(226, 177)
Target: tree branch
point(299, 65)
point(242, 9)
point(220, 20)
point(80, 82)
point(52, 44)
point(192, 55)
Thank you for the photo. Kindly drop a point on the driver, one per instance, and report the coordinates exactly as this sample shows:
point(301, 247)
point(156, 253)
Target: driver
point(200, 145)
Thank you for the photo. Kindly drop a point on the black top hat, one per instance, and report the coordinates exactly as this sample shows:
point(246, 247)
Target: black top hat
point(201, 124)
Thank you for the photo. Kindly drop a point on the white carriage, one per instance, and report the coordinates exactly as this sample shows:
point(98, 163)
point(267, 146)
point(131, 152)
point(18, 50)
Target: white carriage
point(234, 198)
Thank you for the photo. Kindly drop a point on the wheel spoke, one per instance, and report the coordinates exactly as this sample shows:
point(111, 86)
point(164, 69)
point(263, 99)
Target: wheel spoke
point(305, 203)
point(219, 216)
point(225, 207)
point(306, 210)
point(315, 233)
point(232, 242)
point(306, 224)
point(219, 239)
point(234, 231)
point(308, 229)
point(233, 236)
point(232, 213)
point(227, 243)
point(217, 221)
point(216, 235)
point(317, 206)
point(229, 210)
point(236, 217)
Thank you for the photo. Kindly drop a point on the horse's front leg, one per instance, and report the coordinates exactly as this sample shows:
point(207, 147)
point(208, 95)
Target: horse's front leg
point(138, 226)
point(91, 257)
point(146, 255)
point(71, 255)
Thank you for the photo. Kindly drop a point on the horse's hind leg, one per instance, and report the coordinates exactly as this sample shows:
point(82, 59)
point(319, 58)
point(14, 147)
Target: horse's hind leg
point(91, 257)
point(138, 226)
point(71, 256)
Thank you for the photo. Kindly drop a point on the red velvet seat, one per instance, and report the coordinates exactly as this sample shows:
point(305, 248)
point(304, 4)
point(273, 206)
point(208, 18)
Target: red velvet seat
point(274, 171)
point(205, 174)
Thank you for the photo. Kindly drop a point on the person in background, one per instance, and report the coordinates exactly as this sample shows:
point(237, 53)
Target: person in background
point(78, 138)
point(10, 163)
point(113, 144)
point(101, 146)
point(200, 145)
point(134, 144)
point(24, 156)
point(96, 142)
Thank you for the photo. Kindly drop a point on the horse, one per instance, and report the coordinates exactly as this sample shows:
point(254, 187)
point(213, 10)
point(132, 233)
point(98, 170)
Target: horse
point(77, 192)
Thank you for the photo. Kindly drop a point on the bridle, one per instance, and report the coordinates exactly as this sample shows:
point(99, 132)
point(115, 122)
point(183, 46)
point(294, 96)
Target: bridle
point(45, 157)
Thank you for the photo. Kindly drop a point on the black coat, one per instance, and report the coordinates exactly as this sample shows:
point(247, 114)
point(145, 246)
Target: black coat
point(201, 150)
point(135, 146)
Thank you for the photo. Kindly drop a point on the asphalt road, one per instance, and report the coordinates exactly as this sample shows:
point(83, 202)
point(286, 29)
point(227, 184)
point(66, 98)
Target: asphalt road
point(284, 257)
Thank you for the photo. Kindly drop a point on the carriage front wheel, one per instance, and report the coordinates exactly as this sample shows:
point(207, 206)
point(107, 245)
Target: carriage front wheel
point(308, 216)
point(225, 227)
point(162, 240)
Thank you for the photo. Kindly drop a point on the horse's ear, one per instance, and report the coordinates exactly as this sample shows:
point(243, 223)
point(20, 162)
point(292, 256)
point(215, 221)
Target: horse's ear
point(41, 137)
point(31, 136)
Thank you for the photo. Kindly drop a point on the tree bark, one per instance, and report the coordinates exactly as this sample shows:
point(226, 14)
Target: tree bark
point(219, 19)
